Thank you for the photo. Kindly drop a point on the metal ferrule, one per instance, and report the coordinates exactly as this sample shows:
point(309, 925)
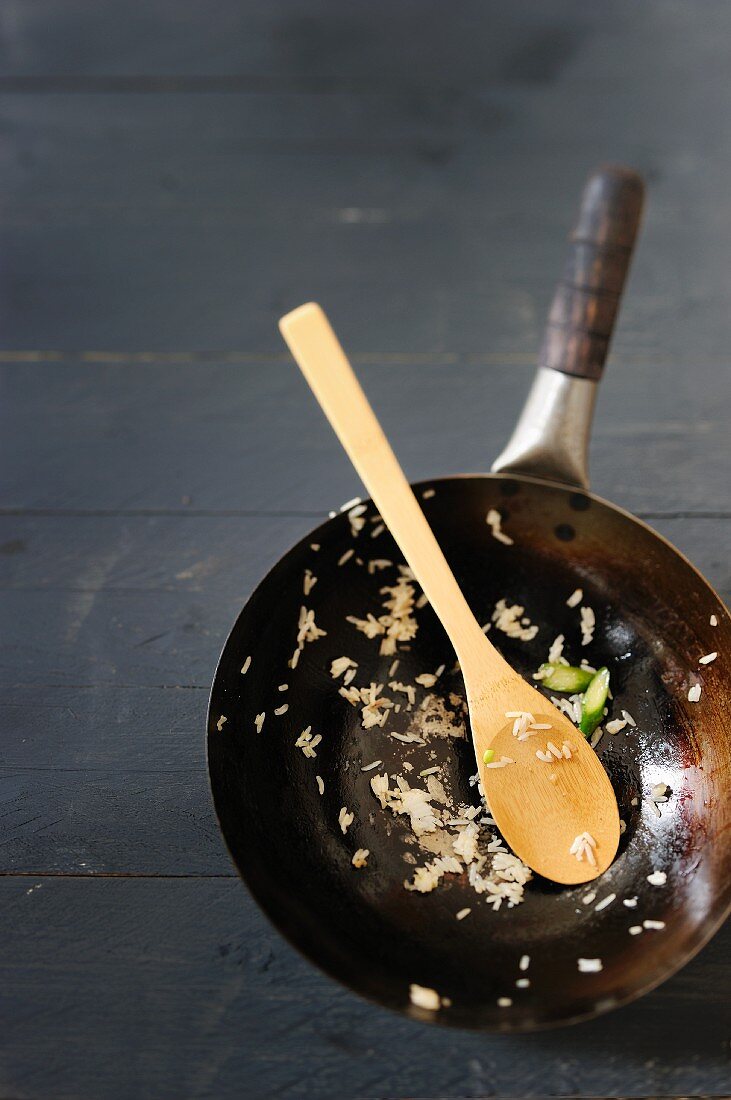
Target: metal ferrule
point(551, 438)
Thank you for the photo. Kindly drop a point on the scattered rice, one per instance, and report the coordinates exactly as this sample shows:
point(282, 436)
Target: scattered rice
point(320, 784)
point(544, 756)
point(501, 763)
point(346, 556)
point(307, 631)
point(394, 666)
point(314, 546)
point(245, 666)
point(463, 913)
point(465, 846)
point(350, 504)
point(575, 598)
point(378, 563)
point(694, 693)
point(308, 582)
point(555, 653)
point(281, 710)
point(583, 848)
point(345, 820)
point(657, 878)
point(370, 767)
point(341, 665)
point(659, 792)
point(283, 687)
point(567, 750)
point(378, 530)
point(522, 983)
point(356, 519)
point(522, 719)
point(360, 857)
point(423, 997)
point(628, 718)
point(589, 966)
point(426, 679)
point(428, 494)
point(405, 689)
point(512, 621)
point(398, 624)
point(428, 771)
point(631, 903)
point(709, 657)
point(379, 786)
point(656, 925)
point(588, 622)
point(588, 898)
point(524, 962)
point(616, 726)
point(308, 743)
point(635, 929)
point(409, 738)
point(713, 620)
point(494, 522)
point(259, 721)
point(504, 1002)
point(428, 877)
point(555, 750)
point(604, 903)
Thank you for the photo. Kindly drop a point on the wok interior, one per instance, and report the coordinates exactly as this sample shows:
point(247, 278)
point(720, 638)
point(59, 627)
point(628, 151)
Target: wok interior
point(363, 927)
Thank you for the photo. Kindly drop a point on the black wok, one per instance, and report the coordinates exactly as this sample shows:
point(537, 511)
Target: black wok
point(653, 612)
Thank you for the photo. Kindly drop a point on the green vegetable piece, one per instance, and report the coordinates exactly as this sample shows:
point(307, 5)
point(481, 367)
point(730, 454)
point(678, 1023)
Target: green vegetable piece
point(487, 758)
point(592, 705)
point(565, 678)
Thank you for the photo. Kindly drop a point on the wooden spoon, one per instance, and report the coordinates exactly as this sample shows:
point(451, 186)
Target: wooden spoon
point(539, 807)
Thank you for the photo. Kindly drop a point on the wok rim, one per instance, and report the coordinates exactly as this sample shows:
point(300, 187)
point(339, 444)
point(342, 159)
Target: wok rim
point(445, 1019)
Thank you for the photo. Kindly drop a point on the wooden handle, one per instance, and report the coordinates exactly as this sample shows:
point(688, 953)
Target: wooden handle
point(586, 302)
point(322, 361)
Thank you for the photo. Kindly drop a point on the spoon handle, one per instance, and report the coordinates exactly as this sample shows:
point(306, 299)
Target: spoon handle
point(322, 360)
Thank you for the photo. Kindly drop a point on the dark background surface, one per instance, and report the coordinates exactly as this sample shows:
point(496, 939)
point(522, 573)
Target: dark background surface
point(173, 176)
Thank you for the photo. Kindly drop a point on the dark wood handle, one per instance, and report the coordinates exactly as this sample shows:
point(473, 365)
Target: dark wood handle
point(587, 298)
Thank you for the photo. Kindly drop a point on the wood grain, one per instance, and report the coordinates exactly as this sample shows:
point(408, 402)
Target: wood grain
point(115, 718)
point(151, 232)
point(208, 436)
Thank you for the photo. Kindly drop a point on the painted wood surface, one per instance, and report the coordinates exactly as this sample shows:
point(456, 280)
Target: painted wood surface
point(175, 176)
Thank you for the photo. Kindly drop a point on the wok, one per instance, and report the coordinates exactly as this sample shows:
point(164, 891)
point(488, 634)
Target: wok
point(653, 623)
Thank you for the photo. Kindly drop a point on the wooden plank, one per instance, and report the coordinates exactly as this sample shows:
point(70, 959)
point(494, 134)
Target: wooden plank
point(249, 437)
point(434, 208)
point(112, 630)
point(90, 632)
point(435, 230)
point(306, 44)
point(180, 988)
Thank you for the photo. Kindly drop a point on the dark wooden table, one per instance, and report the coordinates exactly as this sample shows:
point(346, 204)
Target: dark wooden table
point(174, 175)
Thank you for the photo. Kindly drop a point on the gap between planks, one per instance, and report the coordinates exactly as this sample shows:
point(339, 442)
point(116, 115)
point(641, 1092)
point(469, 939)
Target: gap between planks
point(115, 874)
point(275, 513)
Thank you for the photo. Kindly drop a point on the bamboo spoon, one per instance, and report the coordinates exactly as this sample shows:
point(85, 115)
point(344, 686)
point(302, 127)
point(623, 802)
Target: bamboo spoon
point(540, 808)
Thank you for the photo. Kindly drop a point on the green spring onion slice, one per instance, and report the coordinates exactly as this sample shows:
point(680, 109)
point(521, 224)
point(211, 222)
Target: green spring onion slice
point(594, 701)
